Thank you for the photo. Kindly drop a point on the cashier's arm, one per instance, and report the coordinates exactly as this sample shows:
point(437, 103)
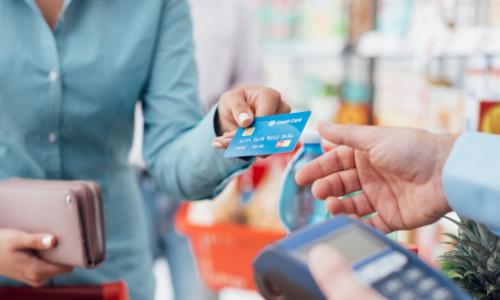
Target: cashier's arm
point(398, 171)
point(408, 177)
point(471, 178)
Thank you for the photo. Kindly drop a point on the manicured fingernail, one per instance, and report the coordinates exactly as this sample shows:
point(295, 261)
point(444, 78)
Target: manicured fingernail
point(243, 117)
point(48, 241)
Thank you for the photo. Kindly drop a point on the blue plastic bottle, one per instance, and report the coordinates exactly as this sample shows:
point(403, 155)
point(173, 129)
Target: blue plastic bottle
point(298, 207)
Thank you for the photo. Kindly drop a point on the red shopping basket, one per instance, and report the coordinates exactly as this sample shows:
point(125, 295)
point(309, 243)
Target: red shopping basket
point(109, 291)
point(224, 253)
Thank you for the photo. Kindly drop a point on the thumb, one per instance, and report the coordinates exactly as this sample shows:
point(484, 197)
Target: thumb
point(335, 277)
point(241, 111)
point(36, 241)
point(244, 119)
point(354, 136)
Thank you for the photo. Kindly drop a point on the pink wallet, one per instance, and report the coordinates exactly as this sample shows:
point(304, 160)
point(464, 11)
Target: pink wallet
point(70, 210)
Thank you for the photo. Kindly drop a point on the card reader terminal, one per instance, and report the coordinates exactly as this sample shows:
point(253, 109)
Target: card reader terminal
point(281, 270)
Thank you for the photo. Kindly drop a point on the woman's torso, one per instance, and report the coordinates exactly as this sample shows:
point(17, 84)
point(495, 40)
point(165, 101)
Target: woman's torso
point(66, 111)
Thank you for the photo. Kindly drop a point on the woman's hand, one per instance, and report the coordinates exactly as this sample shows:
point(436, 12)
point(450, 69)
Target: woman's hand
point(19, 263)
point(239, 107)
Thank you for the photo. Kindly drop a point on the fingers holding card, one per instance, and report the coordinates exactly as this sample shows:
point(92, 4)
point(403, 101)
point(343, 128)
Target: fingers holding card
point(268, 135)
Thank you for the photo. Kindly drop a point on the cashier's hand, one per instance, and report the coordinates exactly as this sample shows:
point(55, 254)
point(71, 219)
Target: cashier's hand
point(18, 262)
point(399, 171)
point(335, 277)
point(238, 107)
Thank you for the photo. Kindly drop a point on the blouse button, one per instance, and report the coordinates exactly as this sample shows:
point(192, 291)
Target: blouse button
point(52, 137)
point(53, 76)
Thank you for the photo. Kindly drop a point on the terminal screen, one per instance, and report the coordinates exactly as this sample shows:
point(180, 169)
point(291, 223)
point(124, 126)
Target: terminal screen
point(353, 243)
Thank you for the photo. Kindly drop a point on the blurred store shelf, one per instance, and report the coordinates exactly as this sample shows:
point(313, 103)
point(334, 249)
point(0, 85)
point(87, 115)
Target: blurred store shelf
point(460, 42)
point(299, 50)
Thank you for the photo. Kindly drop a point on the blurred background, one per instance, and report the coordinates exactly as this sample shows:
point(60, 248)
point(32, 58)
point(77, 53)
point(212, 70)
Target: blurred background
point(431, 64)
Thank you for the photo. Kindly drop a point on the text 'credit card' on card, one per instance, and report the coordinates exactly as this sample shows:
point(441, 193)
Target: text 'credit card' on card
point(268, 135)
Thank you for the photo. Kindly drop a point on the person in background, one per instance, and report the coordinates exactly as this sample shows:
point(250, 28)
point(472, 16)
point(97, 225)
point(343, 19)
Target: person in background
point(227, 47)
point(71, 73)
point(409, 178)
point(227, 52)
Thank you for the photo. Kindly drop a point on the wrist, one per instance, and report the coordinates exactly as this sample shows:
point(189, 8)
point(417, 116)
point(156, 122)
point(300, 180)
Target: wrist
point(444, 144)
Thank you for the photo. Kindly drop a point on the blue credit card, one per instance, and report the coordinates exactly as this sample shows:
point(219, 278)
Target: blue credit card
point(268, 135)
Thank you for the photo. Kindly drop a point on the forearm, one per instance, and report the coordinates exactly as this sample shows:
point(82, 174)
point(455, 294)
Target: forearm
point(177, 139)
point(189, 167)
point(471, 178)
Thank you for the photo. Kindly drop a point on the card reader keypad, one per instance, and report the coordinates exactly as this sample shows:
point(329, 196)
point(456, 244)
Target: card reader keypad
point(395, 278)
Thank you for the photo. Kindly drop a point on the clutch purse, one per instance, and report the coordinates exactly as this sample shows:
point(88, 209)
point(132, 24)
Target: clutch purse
point(70, 210)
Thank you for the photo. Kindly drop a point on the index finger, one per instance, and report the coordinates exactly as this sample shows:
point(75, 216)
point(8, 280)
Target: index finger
point(336, 160)
point(269, 102)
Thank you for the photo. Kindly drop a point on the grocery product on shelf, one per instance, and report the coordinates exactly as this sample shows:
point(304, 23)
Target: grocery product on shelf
point(494, 78)
point(278, 20)
point(394, 16)
point(494, 10)
point(400, 93)
point(353, 113)
point(325, 104)
point(357, 91)
point(357, 82)
point(489, 108)
point(489, 117)
point(468, 12)
point(361, 19)
point(322, 20)
point(444, 106)
point(476, 89)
